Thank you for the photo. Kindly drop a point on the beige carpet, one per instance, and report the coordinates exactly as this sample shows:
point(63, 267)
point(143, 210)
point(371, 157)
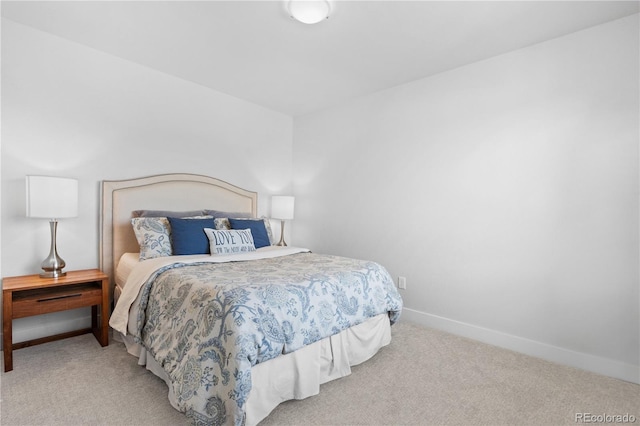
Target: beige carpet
point(425, 377)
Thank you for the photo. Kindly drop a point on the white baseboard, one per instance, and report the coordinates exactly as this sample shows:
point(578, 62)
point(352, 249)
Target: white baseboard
point(592, 363)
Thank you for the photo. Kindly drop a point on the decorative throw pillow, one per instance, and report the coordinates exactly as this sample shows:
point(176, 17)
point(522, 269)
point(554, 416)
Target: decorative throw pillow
point(153, 238)
point(188, 237)
point(258, 230)
point(221, 223)
point(224, 223)
point(230, 241)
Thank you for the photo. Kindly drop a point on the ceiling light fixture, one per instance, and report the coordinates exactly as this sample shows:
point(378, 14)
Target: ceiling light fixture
point(309, 11)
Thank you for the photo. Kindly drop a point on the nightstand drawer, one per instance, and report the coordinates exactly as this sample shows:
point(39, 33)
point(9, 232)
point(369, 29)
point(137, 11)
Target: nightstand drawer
point(55, 299)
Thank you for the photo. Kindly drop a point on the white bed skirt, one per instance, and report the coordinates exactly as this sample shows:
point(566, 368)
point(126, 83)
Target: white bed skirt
point(299, 374)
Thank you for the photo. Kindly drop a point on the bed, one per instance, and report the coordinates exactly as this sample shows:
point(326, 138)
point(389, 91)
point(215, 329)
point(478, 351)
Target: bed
point(235, 333)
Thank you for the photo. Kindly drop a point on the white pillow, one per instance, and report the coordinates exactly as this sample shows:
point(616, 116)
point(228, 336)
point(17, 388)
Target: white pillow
point(230, 241)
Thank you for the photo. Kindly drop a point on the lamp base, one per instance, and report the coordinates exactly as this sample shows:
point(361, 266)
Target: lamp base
point(53, 274)
point(53, 264)
point(281, 243)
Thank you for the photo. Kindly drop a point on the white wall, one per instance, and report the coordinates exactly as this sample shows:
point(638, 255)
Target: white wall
point(68, 110)
point(505, 191)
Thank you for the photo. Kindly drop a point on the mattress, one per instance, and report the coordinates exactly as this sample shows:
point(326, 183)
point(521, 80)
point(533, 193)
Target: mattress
point(127, 262)
point(125, 265)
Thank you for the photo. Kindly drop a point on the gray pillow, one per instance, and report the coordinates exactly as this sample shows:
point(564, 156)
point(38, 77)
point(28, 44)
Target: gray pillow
point(219, 214)
point(165, 213)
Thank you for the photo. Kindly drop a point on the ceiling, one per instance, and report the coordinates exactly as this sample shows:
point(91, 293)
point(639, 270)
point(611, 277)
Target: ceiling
point(254, 51)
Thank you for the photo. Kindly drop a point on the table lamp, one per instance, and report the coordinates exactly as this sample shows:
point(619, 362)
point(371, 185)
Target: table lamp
point(52, 198)
point(282, 208)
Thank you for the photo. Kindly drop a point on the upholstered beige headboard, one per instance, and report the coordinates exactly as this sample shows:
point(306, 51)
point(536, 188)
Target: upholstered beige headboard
point(174, 192)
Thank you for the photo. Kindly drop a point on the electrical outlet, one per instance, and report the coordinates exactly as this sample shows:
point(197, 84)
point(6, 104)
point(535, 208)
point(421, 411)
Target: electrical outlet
point(402, 283)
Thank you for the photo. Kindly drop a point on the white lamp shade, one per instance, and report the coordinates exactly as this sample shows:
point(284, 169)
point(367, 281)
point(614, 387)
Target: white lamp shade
point(282, 207)
point(309, 11)
point(51, 197)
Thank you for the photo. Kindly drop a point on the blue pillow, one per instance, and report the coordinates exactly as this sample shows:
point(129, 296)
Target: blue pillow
point(258, 230)
point(188, 236)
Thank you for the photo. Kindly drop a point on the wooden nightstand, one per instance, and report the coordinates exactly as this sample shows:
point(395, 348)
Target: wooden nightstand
point(30, 295)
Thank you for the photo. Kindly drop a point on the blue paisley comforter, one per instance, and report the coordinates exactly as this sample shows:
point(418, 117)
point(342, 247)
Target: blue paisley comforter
point(207, 324)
